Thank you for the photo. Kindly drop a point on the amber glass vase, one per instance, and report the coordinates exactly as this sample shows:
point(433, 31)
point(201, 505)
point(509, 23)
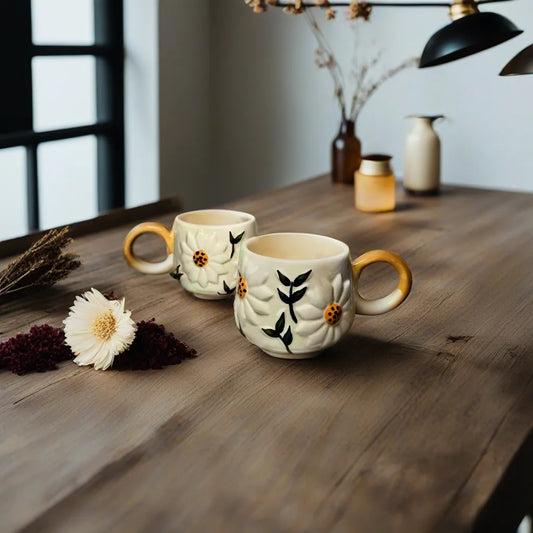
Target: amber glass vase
point(345, 153)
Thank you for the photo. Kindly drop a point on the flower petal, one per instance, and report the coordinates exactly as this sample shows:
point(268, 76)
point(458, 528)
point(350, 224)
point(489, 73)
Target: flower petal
point(346, 292)
point(221, 259)
point(212, 276)
point(202, 278)
point(191, 242)
point(317, 298)
point(259, 307)
point(309, 312)
point(263, 293)
point(337, 287)
point(309, 327)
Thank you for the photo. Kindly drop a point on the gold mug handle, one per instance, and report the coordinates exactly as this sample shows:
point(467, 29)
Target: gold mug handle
point(147, 267)
point(392, 300)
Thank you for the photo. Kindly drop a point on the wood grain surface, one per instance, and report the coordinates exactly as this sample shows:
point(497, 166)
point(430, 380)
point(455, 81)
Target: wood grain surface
point(410, 423)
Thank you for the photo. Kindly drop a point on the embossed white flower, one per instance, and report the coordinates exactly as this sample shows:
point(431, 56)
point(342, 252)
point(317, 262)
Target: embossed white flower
point(204, 258)
point(252, 297)
point(325, 312)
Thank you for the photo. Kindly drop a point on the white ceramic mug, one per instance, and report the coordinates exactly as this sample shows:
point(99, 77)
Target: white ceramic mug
point(203, 248)
point(297, 293)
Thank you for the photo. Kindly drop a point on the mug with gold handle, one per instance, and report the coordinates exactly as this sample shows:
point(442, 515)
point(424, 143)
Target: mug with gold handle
point(297, 293)
point(202, 250)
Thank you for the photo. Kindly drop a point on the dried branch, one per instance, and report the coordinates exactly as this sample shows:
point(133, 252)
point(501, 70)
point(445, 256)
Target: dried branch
point(365, 92)
point(42, 264)
point(325, 58)
point(360, 74)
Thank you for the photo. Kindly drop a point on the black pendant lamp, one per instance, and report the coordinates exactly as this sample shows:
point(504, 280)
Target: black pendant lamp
point(522, 63)
point(469, 32)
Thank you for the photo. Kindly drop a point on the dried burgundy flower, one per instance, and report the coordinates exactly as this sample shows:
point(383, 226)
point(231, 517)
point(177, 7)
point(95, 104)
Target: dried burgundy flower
point(153, 348)
point(37, 351)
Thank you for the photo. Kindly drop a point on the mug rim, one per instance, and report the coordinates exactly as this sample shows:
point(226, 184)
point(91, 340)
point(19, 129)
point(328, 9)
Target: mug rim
point(248, 217)
point(345, 252)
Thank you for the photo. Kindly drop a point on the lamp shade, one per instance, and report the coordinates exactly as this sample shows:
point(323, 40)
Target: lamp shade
point(521, 63)
point(466, 36)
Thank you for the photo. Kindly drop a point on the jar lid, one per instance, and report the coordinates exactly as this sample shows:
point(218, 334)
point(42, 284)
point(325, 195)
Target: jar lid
point(376, 165)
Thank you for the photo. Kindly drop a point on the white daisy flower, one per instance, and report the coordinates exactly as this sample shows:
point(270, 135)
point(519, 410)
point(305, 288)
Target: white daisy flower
point(98, 329)
point(328, 315)
point(204, 258)
point(252, 297)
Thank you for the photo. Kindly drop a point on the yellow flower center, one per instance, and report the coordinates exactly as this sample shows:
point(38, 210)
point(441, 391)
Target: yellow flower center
point(105, 326)
point(333, 314)
point(200, 258)
point(242, 288)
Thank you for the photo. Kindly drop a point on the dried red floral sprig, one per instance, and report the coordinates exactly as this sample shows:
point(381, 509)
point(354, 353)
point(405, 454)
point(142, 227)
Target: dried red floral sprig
point(37, 351)
point(44, 263)
point(153, 348)
point(44, 346)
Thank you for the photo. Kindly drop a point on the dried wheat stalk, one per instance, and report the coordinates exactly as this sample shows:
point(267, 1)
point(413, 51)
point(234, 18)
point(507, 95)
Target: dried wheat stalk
point(44, 263)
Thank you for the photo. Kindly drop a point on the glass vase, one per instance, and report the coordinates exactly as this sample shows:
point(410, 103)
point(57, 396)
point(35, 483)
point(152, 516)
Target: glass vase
point(345, 153)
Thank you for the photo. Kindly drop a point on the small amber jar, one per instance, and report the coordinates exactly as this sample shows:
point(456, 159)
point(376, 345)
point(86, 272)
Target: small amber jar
point(375, 187)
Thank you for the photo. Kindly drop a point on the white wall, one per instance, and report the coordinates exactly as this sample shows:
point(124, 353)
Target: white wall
point(184, 61)
point(274, 115)
point(167, 100)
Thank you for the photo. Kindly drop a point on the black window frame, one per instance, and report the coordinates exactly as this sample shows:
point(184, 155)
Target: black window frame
point(16, 98)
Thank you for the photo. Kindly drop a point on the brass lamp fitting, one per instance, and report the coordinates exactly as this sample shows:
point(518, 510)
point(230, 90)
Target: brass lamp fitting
point(463, 8)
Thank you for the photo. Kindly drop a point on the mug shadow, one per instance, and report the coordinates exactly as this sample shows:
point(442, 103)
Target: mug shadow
point(354, 352)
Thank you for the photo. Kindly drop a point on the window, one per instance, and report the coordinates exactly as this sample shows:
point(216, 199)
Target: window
point(61, 111)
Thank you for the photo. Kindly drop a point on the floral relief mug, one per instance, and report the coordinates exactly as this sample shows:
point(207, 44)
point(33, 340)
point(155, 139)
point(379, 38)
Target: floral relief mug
point(297, 293)
point(203, 248)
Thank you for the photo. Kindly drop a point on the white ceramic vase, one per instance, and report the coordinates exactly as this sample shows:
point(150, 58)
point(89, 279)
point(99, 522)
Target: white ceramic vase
point(421, 173)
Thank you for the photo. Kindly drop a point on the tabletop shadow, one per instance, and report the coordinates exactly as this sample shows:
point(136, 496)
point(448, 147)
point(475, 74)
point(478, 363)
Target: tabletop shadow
point(405, 206)
point(354, 352)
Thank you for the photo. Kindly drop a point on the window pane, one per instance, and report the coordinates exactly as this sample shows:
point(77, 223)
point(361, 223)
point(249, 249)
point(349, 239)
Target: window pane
point(63, 92)
point(13, 218)
point(62, 21)
point(67, 181)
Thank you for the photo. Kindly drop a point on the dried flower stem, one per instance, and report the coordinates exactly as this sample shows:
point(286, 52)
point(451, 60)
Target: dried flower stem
point(364, 92)
point(42, 264)
point(330, 61)
point(364, 88)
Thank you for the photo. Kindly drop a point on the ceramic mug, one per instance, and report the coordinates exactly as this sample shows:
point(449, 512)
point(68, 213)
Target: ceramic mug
point(203, 248)
point(297, 293)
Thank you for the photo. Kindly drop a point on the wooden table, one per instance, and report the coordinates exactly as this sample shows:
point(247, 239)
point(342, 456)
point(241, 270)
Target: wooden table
point(419, 420)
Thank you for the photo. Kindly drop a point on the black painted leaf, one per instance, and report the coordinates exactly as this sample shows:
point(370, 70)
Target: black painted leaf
point(271, 332)
point(280, 324)
point(287, 338)
point(298, 295)
point(284, 298)
point(227, 289)
point(284, 279)
point(302, 278)
point(177, 274)
point(236, 240)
